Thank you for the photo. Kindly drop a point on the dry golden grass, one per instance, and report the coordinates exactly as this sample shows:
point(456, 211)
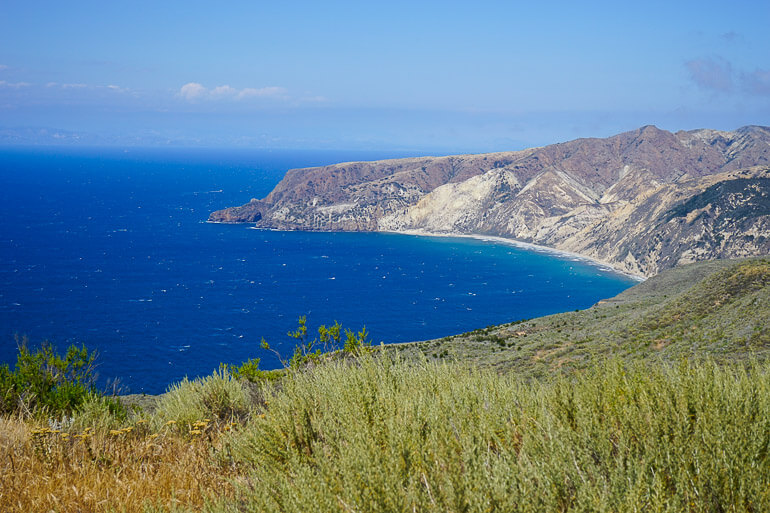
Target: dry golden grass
point(127, 470)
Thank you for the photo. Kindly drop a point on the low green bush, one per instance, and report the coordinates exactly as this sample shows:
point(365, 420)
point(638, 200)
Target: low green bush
point(43, 381)
point(250, 371)
point(100, 413)
point(382, 435)
point(219, 396)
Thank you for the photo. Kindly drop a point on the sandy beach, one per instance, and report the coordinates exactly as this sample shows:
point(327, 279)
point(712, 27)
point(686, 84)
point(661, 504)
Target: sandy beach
point(604, 266)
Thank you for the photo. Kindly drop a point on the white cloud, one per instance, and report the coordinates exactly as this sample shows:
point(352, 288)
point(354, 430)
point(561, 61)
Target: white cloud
point(265, 91)
point(223, 91)
point(194, 91)
point(111, 87)
point(3, 67)
point(117, 89)
point(14, 85)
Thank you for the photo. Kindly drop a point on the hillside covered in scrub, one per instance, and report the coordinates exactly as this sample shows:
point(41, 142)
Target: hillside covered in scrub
point(642, 201)
point(718, 309)
point(655, 400)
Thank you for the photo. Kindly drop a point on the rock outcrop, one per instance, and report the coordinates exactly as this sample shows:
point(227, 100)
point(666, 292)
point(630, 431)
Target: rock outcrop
point(642, 201)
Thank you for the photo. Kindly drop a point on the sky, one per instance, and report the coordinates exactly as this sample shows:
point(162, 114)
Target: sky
point(440, 77)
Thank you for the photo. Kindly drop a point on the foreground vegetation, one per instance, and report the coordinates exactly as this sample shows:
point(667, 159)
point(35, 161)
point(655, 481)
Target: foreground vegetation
point(384, 435)
point(560, 424)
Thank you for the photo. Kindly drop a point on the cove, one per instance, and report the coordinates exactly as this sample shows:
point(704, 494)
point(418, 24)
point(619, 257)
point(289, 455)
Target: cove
point(111, 249)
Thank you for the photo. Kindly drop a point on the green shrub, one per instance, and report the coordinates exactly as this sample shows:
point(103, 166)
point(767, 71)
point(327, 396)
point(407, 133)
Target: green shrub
point(381, 435)
point(356, 343)
point(44, 381)
point(308, 351)
point(250, 371)
point(100, 413)
point(220, 396)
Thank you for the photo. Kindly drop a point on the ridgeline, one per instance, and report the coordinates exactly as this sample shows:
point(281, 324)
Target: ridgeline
point(642, 201)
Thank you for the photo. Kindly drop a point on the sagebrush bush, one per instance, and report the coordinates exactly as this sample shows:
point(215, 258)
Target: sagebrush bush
point(219, 395)
point(99, 413)
point(384, 436)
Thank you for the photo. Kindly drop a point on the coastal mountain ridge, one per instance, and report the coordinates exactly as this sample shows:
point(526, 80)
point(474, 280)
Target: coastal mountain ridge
point(642, 201)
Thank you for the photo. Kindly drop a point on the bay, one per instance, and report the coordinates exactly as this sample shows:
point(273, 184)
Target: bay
point(110, 248)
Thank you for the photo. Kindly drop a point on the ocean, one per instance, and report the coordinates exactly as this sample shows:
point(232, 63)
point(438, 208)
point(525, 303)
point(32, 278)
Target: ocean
point(111, 248)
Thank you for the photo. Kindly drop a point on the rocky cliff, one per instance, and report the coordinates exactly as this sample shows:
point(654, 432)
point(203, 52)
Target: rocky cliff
point(642, 201)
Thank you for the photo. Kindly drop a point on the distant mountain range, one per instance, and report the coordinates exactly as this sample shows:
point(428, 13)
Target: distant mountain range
point(642, 201)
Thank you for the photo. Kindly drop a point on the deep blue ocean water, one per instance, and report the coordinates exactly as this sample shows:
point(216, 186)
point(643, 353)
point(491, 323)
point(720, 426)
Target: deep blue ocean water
point(110, 248)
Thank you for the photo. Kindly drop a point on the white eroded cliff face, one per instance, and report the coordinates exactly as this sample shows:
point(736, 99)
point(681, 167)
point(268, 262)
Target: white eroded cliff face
point(455, 207)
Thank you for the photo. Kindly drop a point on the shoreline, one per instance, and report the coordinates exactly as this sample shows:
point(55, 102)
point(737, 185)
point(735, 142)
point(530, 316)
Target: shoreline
point(602, 265)
point(605, 266)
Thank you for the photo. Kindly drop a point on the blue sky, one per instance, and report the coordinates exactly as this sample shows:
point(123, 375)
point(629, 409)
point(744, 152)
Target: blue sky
point(421, 76)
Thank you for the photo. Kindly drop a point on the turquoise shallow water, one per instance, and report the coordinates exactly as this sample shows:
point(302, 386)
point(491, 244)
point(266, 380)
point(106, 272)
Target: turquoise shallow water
point(111, 248)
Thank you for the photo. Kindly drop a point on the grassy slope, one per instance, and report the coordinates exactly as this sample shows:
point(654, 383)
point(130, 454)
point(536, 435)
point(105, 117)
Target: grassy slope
point(718, 308)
